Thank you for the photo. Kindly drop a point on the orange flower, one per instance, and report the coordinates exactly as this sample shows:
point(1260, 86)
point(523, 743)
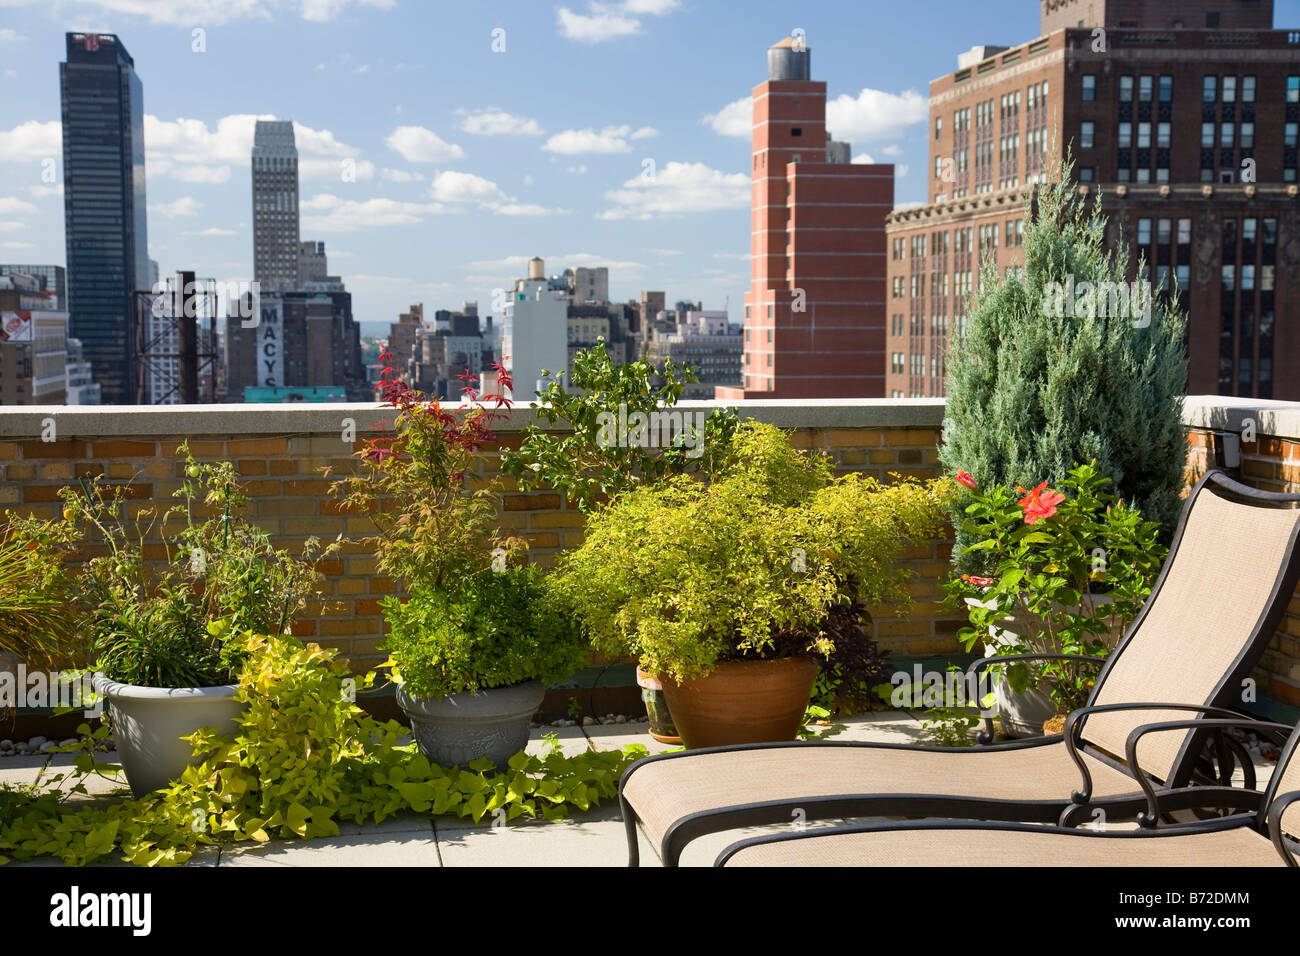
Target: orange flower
point(978, 581)
point(964, 478)
point(1039, 503)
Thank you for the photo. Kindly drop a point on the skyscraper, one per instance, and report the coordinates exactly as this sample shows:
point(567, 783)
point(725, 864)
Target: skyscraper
point(275, 206)
point(815, 312)
point(104, 204)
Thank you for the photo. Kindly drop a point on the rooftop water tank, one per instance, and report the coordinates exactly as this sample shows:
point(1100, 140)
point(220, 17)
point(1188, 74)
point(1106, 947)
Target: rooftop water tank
point(790, 59)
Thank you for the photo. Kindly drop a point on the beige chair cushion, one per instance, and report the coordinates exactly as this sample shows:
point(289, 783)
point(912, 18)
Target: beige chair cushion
point(953, 847)
point(1200, 622)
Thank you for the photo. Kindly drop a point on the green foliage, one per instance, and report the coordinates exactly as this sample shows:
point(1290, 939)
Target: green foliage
point(1045, 569)
point(149, 624)
point(490, 629)
point(601, 454)
point(37, 614)
point(1030, 394)
point(683, 574)
point(304, 758)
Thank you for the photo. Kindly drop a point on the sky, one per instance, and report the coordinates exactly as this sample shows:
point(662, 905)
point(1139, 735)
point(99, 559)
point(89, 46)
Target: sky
point(443, 144)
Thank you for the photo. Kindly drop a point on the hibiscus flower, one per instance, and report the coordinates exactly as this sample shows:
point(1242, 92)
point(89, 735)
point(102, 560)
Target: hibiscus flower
point(964, 478)
point(1039, 503)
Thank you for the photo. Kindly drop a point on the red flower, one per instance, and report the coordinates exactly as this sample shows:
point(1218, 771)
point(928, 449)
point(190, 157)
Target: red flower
point(977, 581)
point(964, 478)
point(1037, 505)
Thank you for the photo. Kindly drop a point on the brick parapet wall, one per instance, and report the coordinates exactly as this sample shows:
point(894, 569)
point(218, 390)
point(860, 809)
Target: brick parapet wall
point(279, 452)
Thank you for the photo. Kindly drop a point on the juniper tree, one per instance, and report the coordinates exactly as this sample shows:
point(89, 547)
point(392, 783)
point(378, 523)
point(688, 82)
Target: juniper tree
point(1047, 375)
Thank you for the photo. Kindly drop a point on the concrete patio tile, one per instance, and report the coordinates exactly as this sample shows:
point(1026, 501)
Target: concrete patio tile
point(377, 848)
point(885, 726)
point(617, 736)
point(596, 838)
point(405, 822)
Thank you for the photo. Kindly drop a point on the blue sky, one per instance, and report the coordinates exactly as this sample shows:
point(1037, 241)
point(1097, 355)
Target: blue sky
point(434, 166)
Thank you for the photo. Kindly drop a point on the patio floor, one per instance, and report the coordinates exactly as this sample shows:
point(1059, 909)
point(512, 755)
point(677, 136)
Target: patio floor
point(595, 838)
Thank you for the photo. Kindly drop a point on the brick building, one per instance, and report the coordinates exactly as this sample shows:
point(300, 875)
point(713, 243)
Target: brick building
point(815, 313)
point(1184, 117)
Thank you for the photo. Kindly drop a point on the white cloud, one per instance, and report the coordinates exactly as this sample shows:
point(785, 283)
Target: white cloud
point(17, 245)
point(605, 21)
point(214, 231)
point(189, 13)
point(493, 269)
point(329, 213)
point(731, 255)
point(893, 149)
point(207, 175)
point(40, 192)
point(400, 175)
point(734, 119)
point(32, 142)
point(864, 159)
point(12, 205)
point(596, 27)
point(185, 206)
point(495, 122)
point(12, 225)
point(419, 145)
point(11, 36)
point(450, 186)
point(578, 170)
point(901, 170)
point(874, 115)
point(665, 252)
point(678, 188)
point(458, 187)
point(899, 207)
point(611, 139)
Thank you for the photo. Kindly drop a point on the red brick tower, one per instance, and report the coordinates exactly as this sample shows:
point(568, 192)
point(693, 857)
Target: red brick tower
point(815, 312)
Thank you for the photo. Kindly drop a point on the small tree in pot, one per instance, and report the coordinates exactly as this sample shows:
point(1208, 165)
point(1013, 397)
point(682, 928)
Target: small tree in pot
point(476, 639)
point(722, 588)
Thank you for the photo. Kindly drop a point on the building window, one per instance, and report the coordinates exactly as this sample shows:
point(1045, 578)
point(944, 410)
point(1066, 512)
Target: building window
point(1166, 89)
point(1125, 135)
point(1209, 89)
point(1226, 135)
point(1144, 232)
point(1289, 137)
point(1248, 89)
point(1293, 89)
point(1207, 135)
point(1144, 135)
point(1163, 132)
point(1229, 274)
point(1085, 135)
point(1247, 135)
point(1086, 174)
point(1126, 89)
point(1229, 89)
point(1089, 87)
point(938, 127)
point(1144, 89)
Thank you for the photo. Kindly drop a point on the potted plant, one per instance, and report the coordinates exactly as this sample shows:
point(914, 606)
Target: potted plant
point(156, 632)
point(475, 639)
point(37, 617)
point(722, 588)
point(1058, 572)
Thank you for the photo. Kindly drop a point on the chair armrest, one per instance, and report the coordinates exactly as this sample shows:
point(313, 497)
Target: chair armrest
point(1073, 726)
point(1275, 811)
point(1152, 814)
point(986, 735)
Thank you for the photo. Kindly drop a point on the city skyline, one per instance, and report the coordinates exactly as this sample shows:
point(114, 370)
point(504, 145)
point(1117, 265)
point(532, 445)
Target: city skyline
point(446, 190)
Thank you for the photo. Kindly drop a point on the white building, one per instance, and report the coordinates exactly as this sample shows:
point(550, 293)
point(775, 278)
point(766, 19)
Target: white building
point(534, 334)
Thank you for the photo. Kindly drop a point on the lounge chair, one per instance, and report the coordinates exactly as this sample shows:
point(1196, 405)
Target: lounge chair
point(1268, 837)
point(1230, 573)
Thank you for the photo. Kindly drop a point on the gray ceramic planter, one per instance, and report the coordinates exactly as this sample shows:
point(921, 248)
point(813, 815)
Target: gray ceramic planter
point(459, 728)
point(148, 723)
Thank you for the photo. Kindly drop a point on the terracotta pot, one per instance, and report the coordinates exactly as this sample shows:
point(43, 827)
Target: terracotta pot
point(742, 702)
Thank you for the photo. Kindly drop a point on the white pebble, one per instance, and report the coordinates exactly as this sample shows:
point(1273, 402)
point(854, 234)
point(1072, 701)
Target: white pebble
point(6, 745)
point(70, 742)
point(589, 721)
point(48, 746)
point(36, 742)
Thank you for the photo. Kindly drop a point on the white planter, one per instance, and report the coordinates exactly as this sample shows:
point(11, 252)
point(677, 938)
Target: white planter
point(148, 723)
point(1022, 714)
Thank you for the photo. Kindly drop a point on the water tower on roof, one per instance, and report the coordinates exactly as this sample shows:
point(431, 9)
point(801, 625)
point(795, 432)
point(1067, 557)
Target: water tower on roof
point(791, 59)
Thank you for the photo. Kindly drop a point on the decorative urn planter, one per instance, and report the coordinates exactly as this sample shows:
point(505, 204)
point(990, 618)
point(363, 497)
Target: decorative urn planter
point(742, 702)
point(149, 722)
point(662, 727)
point(460, 728)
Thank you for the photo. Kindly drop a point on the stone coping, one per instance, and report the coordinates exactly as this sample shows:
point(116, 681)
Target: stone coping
point(1281, 419)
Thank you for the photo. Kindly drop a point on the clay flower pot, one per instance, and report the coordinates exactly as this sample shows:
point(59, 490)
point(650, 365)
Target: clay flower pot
point(742, 702)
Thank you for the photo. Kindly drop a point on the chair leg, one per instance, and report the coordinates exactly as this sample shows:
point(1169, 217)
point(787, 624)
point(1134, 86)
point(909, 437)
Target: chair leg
point(629, 825)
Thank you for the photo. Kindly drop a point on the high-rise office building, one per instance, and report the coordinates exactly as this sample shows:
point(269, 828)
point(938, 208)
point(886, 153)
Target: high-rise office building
point(1183, 116)
point(535, 331)
point(104, 204)
point(53, 279)
point(33, 343)
point(276, 247)
point(815, 313)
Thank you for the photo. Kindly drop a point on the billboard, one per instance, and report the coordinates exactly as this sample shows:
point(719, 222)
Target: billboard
point(270, 344)
point(15, 326)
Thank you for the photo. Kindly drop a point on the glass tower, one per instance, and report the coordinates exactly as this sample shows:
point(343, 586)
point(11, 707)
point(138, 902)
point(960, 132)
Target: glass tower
point(104, 205)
